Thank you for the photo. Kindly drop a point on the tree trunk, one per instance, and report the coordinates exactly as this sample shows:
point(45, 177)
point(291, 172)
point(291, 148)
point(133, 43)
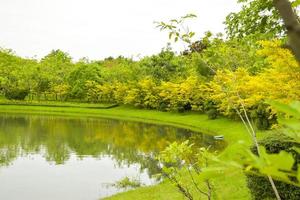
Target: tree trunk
point(291, 23)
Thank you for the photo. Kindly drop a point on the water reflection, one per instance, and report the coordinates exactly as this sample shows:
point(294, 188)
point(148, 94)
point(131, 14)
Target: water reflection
point(61, 141)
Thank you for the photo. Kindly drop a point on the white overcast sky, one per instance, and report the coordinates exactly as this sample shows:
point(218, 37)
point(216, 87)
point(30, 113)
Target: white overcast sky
point(100, 28)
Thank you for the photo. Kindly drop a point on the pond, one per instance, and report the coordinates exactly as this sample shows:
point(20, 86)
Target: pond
point(52, 157)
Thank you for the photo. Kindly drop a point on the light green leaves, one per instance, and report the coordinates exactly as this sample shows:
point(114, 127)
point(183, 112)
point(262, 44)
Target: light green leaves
point(291, 120)
point(191, 15)
point(296, 3)
point(177, 29)
point(275, 165)
point(177, 153)
point(255, 17)
point(292, 109)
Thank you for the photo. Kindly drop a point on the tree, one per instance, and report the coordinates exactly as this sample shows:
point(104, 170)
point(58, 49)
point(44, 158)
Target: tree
point(163, 67)
point(78, 77)
point(255, 17)
point(52, 71)
point(16, 75)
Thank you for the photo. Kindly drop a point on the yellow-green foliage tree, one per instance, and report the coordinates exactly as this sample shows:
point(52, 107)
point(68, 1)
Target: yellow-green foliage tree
point(185, 95)
point(105, 92)
point(100, 92)
point(143, 94)
point(281, 80)
point(234, 90)
point(120, 91)
point(91, 91)
point(60, 91)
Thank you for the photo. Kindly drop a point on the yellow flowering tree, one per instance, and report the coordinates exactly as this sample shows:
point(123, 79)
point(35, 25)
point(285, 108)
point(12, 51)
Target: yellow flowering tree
point(281, 79)
point(234, 90)
point(143, 94)
point(60, 91)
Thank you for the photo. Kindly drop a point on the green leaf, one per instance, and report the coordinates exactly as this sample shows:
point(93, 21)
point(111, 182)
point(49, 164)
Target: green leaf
point(292, 109)
point(296, 3)
point(297, 149)
point(192, 34)
point(275, 165)
point(174, 21)
point(189, 16)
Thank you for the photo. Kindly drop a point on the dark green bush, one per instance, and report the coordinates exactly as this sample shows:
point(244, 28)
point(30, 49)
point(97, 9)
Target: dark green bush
point(163, 106)
point(262, 117)
point(183, 107)
point(16, 94)
point(180, 108)
point(212, 113)
point(260, 186)
point(187, 107)
point(211, 109)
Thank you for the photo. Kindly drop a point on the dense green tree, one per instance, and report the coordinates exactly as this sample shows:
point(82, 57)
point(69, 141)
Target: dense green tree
point(16, 75)
point(164, 66)
point(52, 71)
point(83, 71)
point(255, 17)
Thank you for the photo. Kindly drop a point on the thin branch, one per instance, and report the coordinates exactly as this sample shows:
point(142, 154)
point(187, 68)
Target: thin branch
point(209, 189)
point(196, 185)
point(249, 127)
point(184, 191)
point(257, 147)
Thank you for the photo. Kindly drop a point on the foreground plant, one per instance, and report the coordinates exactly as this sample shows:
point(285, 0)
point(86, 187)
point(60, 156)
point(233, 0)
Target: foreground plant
point(203, 167)
point(181, 159)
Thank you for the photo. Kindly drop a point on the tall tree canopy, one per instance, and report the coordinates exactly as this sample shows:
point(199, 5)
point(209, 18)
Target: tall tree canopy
point(256, 16)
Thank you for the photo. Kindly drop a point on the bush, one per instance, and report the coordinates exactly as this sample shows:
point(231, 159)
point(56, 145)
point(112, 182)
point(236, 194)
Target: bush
point(183, 107)
point(260, 186)
point(163, 106)
point(212, 113)
point(16, 94)
point(211, 109)
point(263, 117)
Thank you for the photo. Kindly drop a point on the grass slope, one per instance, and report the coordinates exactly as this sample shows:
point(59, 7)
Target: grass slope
point(231, 188)
point(232, 130)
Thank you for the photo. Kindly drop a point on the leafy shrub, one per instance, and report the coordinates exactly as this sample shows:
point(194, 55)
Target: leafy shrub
point(179, 157)
point(260, 187)
point(187, 106)
point(16, 94)
point(211, 109)
point(163, 106)
point(263, 117)
point(212, 113)
point(163, 66)
point(142, 94)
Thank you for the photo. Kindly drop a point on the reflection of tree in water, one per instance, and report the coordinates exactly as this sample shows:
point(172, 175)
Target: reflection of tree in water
point(126, 142)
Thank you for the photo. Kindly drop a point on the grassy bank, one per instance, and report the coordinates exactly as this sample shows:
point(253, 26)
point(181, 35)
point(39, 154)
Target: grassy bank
point(56, 104)
point(233, 187)
point(232, 130)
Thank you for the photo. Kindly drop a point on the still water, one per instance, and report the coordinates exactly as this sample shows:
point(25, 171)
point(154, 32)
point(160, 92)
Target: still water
point(51, 157)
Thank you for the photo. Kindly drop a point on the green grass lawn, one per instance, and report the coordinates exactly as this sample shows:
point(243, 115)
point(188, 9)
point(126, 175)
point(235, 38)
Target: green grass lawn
point(226, 188)
point(232, 187)
point(232, 130)
point(56, 104)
